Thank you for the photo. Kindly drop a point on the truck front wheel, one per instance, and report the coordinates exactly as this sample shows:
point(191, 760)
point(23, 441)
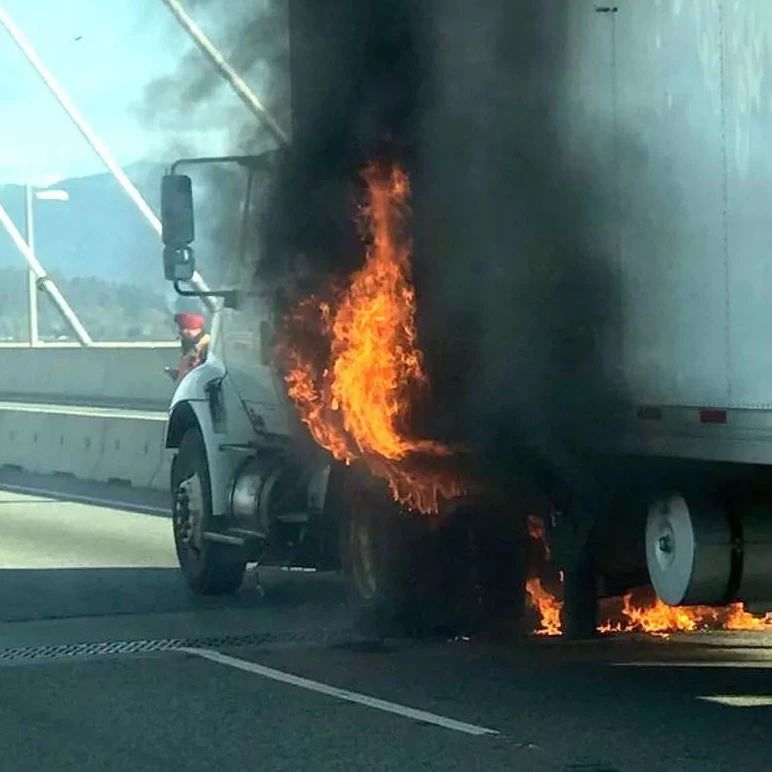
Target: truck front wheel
point(209, 568)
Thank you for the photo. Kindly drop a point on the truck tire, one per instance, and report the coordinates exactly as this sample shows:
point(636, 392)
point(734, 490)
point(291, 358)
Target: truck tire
point(502, 570)
point(484, 565)
point(378, 548)
point(209, 568)
point(425, 575)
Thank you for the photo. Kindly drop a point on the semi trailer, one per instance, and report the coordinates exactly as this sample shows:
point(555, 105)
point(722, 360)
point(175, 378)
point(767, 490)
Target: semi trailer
point(591, 265)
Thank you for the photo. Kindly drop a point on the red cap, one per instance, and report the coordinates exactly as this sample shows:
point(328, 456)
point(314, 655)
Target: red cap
point(189, 321)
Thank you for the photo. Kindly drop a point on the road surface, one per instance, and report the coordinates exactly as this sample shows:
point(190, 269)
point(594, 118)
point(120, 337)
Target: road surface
point(107, 663)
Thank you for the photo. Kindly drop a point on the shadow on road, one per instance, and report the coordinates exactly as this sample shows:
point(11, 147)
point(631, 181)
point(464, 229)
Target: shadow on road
point(55, 593)
point(582, 708)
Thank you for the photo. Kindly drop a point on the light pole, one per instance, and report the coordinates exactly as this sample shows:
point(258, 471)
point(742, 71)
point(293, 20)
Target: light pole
point(29, 232)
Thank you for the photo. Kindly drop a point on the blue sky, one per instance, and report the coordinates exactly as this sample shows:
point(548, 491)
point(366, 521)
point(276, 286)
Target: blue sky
point(123, 45)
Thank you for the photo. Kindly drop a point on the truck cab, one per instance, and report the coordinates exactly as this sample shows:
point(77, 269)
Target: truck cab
point(249, 484)
point(240, 492)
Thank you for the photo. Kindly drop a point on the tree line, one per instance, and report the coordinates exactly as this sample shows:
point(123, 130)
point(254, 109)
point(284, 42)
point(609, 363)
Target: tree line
point(110, 311)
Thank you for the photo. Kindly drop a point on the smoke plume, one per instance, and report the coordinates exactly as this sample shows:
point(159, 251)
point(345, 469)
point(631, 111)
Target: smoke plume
point(514, 265)
point(200, 115)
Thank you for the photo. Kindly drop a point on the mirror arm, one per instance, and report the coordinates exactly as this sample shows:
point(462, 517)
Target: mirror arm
point(229, 296)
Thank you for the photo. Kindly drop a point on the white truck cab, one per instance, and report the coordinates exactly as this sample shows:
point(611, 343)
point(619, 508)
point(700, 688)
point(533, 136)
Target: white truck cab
point(249, 484)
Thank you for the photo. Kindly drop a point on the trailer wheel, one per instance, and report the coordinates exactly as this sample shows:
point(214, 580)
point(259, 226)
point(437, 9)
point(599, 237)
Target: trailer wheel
point(209, 568)
point(378, 551)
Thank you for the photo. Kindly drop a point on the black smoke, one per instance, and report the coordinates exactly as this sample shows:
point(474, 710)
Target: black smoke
point(194, 99)
point(514, 267)
point(514, 271)
point(252, 36)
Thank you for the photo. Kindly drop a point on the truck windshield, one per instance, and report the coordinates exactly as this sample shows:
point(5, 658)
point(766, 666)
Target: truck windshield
point(230, 201)
point(219, 195)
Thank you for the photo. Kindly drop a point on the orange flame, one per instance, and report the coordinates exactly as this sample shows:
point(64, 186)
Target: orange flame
point(661, 619)
point(653, 617)
point(545, 603)
point(357, 403)
point(548, 607)
point(737, 618)
point(656, 618)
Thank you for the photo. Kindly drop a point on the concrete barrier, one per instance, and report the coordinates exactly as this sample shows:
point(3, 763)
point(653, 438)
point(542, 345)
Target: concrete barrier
point(89, 443)
point(108, 375)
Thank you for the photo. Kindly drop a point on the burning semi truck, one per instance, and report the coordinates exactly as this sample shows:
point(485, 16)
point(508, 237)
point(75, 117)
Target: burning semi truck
point(512, 265)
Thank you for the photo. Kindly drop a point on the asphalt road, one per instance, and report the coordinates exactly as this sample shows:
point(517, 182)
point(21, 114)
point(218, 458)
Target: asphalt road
point(106, 662)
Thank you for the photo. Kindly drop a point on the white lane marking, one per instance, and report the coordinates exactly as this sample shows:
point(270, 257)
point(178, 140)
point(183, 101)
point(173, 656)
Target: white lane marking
point(75, 498)
point(343, 694)
point(739, 700)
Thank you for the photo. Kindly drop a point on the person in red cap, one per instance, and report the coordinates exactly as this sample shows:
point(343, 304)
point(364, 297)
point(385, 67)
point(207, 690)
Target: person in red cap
point(194, 341)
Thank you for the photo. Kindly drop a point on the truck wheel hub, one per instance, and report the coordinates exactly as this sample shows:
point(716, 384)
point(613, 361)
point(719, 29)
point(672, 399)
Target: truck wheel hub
point(190, 512)
point(688, 550)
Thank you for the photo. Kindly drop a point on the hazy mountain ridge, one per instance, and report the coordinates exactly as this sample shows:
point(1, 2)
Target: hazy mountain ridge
point(98, 232)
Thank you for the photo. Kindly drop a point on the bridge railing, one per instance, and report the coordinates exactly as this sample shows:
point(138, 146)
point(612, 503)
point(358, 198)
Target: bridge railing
point(96, 413)
point(122, 375)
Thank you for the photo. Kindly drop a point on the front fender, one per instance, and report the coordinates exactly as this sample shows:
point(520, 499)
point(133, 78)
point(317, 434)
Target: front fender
point(190, 403)
point(191, 406)
point(193, 386)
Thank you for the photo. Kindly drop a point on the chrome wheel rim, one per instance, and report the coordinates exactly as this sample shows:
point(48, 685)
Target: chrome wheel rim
point(189, 512)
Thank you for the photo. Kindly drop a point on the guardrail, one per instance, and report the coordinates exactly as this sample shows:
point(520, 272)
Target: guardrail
point(96, 413)
point(121, 375)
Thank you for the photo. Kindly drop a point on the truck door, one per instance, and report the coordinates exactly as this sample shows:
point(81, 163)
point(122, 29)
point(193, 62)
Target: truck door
point(246, 344)
point(247, 331)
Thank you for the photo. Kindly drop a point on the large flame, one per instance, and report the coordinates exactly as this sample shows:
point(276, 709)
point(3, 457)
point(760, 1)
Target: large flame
point(653, 617)
point(356, 399)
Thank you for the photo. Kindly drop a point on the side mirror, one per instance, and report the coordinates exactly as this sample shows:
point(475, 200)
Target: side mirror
point(177, 227)
point(179, 263)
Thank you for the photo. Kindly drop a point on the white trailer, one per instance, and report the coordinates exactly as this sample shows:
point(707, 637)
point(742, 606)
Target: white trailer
point(249, 484)
point(671, 102)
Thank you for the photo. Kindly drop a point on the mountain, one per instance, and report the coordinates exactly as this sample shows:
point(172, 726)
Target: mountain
point(105, 257)
point(102, 254)
point(98, 232)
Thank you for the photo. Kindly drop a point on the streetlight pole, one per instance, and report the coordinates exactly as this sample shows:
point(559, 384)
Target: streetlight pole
point(32, 279)
point(43, 280)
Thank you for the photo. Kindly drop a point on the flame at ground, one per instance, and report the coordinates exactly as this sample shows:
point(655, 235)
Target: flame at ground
point(649, 616)
point(656, 618)
point(547, 605)
point(356, 403)
point(661, 619)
